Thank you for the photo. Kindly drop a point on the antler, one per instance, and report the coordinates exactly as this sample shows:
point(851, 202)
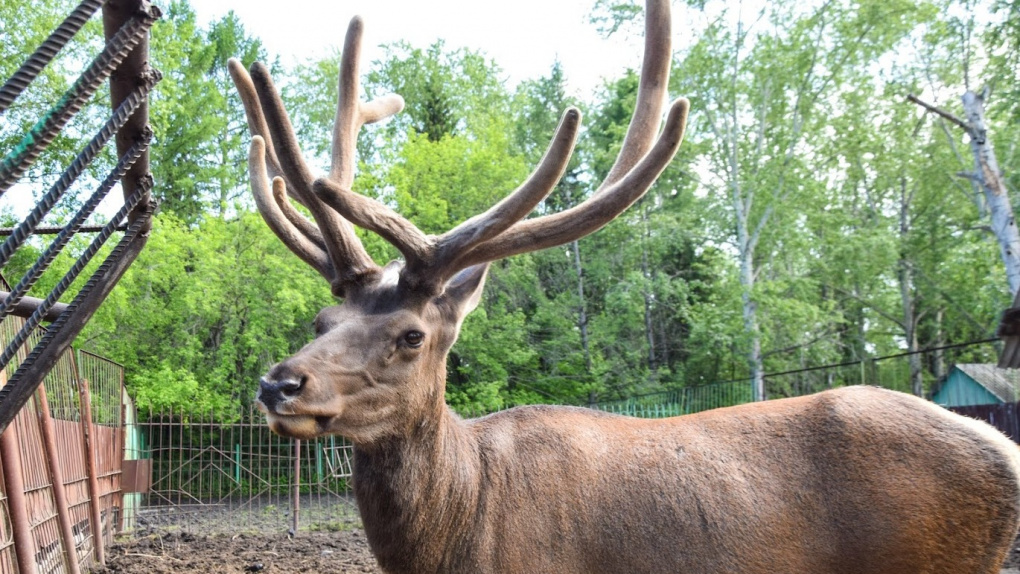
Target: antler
point(499, 232)
point(331, 248)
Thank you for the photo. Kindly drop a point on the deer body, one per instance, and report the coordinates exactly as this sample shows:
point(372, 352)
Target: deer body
point(856, 481)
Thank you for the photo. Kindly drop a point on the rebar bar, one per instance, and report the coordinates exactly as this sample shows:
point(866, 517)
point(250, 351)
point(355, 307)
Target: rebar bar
point(43, 132)
point(37, 317)
point(58, 244)
point(55, 229)
point(16, 393)
point(46, 51)
point(74, 170)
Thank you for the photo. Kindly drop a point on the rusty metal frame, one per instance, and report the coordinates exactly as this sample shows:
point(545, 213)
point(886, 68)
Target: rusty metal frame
point(125, 61)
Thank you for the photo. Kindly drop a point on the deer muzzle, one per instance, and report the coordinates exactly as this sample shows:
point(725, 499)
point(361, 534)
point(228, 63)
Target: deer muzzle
point(274, 392)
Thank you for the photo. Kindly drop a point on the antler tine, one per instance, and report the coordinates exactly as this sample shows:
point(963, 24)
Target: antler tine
point(652, 93)
point(519, 203)
point(637, 165)
point(593, 213)
point(292, 237)
point(299, 221)
point(375, 216)
point(351, 112)
point(256, 119)
point(350, 260)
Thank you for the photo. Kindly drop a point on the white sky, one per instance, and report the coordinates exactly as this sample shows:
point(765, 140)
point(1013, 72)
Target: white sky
point(524, 37)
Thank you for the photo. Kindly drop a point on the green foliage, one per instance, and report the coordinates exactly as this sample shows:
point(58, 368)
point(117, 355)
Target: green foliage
point(213, 305)
point(809, 196)
point(200, 148)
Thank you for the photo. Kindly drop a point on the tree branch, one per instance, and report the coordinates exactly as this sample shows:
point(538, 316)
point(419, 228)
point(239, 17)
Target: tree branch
point(870, 305)
point(939, 111)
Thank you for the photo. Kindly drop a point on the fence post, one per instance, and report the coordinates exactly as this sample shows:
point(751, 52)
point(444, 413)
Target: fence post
point(49, 436)
point(90, 467)
point(295, 500)
point(24, 544)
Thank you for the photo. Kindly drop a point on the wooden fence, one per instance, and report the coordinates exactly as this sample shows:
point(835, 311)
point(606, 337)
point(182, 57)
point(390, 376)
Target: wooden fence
point(1002, 416)
point(60, 466)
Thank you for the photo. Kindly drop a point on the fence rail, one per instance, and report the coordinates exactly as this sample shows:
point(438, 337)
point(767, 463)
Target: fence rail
point(895, 372)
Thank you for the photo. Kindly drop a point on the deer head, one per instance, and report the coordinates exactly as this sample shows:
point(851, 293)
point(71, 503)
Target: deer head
point(376, 367)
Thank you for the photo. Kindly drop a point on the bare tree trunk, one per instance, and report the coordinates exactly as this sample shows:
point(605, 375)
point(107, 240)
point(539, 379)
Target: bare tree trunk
point(664, 344)
point(989, 177)
point(647, 274)
point(939, 365)
point(582, 305)
point(754, 356)
point(905, 275)
point(906, 279)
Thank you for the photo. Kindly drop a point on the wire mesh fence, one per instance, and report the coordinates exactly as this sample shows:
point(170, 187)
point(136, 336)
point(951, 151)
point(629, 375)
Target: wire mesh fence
point(228, 477)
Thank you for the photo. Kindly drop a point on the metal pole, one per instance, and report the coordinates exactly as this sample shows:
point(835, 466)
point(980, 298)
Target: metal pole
point(133, 71)
point(17, 506)
point(49, 436)
point(295, 500)
point(122, 434)
point(90, 468)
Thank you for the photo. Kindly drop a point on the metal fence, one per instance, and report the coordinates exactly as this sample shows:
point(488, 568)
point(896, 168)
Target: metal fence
point(211, 476)
point(896, 372)
point(60, 477)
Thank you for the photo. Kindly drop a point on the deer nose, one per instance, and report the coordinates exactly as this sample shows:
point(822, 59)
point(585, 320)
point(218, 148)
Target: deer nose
point(273, 391)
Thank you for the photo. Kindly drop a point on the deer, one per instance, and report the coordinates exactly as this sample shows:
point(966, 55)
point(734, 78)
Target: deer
point(852, 480)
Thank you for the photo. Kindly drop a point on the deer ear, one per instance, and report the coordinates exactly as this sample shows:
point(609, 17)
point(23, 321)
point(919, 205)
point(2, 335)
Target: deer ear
point(464, 291)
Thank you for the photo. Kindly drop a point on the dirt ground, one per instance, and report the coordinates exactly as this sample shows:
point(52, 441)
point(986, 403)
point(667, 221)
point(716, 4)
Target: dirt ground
point(311, 552)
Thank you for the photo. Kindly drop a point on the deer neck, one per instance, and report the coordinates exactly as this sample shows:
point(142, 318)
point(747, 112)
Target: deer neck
point(418, 493)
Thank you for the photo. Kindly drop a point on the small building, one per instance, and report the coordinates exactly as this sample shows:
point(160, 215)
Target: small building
point(972, 384)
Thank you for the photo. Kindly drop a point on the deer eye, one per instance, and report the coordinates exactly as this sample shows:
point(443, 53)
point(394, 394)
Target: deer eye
point(414, 339)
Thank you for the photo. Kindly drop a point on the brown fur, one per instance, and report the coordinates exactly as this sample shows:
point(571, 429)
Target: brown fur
point(856, 480)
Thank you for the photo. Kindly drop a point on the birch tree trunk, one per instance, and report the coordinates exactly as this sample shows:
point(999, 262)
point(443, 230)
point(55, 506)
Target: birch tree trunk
point(750, 309)
point(582, 305)
point(647, 294)
point(939, 367)
point(989, 177)
point(905, 275)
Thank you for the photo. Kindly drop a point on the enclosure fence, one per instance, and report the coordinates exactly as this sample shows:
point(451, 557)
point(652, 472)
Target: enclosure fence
point(898, 372)
point(60, 465)
point(215, 476)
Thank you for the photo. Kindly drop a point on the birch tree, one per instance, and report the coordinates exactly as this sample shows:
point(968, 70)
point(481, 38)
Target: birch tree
point(760, 83)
